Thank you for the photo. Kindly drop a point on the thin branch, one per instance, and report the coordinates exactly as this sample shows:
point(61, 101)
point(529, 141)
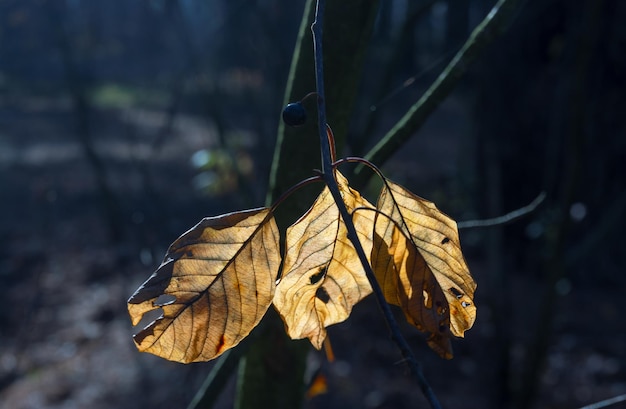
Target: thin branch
point(292, 189)
point(329, 177)
point(505, 219)
point(492, 25)
point(605, 403)
point(325, 148)
point(215, 382)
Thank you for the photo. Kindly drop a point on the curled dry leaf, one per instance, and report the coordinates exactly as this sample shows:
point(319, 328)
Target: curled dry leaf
point(322, 275)
point(215, 284)
point(418, 261)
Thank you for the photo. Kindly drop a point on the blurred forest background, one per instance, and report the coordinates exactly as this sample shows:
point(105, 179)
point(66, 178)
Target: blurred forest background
point(122, 123)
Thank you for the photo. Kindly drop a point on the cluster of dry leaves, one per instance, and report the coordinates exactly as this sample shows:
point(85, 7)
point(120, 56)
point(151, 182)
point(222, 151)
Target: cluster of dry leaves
point(219, 278)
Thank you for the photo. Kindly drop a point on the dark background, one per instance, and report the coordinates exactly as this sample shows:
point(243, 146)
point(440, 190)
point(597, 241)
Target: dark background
point(122, 123)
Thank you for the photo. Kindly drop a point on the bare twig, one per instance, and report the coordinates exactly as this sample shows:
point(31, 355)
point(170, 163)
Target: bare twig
point(504, 219)
point(329, 177)
point(215, 382)
point(605, 403)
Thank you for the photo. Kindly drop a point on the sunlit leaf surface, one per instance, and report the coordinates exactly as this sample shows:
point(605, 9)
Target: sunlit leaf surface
point(407, 281)
point(214, 286)
point(418, 262)
point(322, 275)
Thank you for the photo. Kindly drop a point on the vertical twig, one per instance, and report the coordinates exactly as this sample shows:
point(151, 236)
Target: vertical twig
point(329, 177)
point(261, 383)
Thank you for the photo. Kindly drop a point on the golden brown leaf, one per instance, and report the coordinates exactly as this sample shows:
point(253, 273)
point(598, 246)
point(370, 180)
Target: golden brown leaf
point(435, 236)
point(214, 286)
point(322, 275)
point(407, 281)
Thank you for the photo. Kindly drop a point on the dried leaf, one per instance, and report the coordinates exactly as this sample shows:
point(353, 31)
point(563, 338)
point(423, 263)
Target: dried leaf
point(407, 281)
point(435, 237)
point(323, 277)
point(215, 284)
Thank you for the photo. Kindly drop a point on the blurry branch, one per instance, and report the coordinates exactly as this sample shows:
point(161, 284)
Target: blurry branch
point(177, 19)
point(504, 219)
point(489, 29)
point(156, 210)
point(416, 11)
point(76, 87)
point(212, 386)
point(605, 403)
point(215, 382)
point(194, 68)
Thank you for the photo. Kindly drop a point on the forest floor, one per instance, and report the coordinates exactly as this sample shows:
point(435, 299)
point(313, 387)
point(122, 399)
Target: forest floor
point(65, 276)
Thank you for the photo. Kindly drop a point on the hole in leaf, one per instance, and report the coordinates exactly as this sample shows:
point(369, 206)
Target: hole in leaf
point(428, 300)
point(322, 294)
point(318, 276)
point(445, 240)
point(456, 292)
point(164, 299)
point(147, 318)
point(466, 304)
point(141, 335)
